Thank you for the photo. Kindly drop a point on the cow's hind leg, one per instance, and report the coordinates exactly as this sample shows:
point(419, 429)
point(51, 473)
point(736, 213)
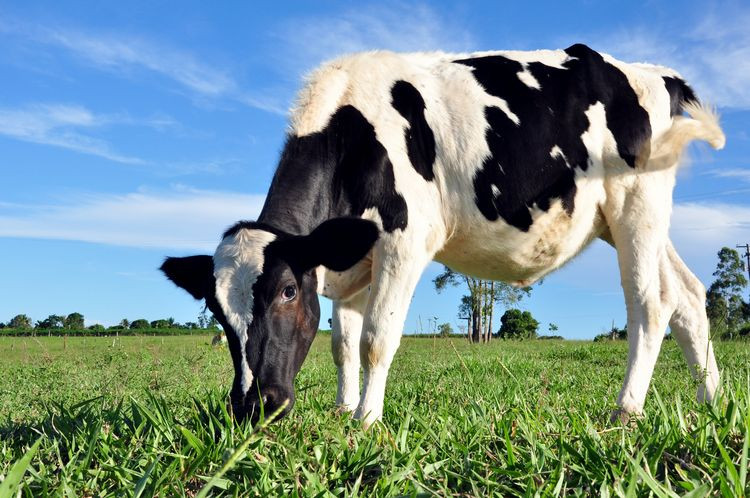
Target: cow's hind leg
point(346, 330)
point(689, 326)
point(638, 219)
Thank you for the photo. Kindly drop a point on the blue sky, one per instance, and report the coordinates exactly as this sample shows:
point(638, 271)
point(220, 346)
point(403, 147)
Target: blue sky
point(134, 130)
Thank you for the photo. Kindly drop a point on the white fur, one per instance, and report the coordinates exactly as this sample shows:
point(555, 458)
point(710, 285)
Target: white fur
point(238, 262)
point(347, 325)
point(528, 79)
point(630, 207)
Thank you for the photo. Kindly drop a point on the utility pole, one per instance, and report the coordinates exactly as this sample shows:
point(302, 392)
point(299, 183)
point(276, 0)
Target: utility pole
point(746, 247)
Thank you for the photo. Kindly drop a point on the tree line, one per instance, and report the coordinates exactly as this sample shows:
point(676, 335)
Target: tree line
point(75, 322)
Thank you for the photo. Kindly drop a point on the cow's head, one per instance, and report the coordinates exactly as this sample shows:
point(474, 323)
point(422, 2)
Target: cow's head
point(261, 286)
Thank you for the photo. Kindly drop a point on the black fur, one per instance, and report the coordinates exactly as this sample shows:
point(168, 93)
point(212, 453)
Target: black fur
point(420, 141)
point(339, 171)
point(337, 244)
point(251, 225)
point(195, 274)
point(679, 94)
point(520, 165)
point(281, 337)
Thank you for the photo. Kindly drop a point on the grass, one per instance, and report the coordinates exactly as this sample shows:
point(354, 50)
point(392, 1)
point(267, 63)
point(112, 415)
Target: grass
point(142, 416)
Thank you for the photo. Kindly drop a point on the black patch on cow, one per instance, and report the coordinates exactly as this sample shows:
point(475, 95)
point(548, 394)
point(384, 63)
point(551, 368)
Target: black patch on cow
point(520, 167)
point(420, 141)
point(341, 170)
point(679, 94)
point(251, 225)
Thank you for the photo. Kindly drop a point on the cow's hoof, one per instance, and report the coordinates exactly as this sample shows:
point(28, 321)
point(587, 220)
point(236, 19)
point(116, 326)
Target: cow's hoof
point(368, 419)
point(344, 410)
point(624, 417)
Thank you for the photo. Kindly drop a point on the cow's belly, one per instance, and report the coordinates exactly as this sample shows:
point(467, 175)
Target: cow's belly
point(495, 250)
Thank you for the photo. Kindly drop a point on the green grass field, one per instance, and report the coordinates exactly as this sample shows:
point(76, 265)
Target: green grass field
point(146, 416)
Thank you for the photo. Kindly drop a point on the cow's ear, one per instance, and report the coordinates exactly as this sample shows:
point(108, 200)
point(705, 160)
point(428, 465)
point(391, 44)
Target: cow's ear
point(337, 244)
point(195, 274)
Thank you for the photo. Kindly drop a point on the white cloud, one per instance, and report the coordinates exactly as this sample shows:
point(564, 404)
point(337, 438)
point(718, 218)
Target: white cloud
point(713, 55)
point(57, 125)
point(699, 230)
point(121, 53)
point(180, 218)
point(738, 173)
point(127, 54)
point(389, 26)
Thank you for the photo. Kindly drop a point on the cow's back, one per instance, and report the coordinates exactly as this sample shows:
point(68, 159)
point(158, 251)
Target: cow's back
point(503, 155)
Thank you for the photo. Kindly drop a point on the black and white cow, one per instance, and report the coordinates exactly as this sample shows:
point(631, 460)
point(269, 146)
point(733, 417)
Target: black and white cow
point(502, 165)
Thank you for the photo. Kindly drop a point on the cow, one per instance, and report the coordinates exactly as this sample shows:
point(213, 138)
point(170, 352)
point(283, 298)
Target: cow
point(502, 165)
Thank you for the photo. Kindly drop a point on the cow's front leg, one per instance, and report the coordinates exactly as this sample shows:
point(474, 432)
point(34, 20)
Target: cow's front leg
point(346, 330)
point(396, 271)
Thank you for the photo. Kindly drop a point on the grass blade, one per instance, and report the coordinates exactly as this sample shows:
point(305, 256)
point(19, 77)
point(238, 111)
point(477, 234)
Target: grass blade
point(239, 451)
point(141, 484)
point(9, 486)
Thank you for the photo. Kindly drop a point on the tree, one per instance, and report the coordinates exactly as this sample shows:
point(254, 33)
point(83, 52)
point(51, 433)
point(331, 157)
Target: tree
point(445, 329)
point(725, 307)
point(213, 323)
point(20, 322)
point(74, 321)
point(160, 324)
point(517, 324)
point(97, 327)
point(124, 324)
point(51, 322)
point(465, 313)
point(140, 324)
point(479, 305)
point(203, 318)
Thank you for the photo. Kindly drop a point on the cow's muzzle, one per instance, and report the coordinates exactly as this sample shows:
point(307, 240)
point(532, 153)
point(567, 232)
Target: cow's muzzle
point(261, 405)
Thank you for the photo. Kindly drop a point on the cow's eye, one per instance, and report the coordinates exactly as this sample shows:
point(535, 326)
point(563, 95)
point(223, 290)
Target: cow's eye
point(289, 293)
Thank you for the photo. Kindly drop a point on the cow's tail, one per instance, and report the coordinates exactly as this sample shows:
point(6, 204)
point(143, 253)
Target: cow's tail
point(701, 123)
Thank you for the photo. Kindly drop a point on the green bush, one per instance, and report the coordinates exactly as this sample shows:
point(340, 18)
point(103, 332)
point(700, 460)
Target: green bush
point(517, 324)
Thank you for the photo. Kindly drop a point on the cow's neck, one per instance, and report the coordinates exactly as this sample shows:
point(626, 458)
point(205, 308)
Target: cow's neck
point(301, 196)
point(341, 170)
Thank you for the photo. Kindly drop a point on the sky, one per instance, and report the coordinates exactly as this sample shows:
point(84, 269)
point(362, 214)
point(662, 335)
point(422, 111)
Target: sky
point(130, 131)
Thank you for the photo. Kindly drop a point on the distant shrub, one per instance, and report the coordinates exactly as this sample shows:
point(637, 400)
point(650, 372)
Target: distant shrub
point(141, 323)
point(517, 324)
point(445, 330)
point(614, 334)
